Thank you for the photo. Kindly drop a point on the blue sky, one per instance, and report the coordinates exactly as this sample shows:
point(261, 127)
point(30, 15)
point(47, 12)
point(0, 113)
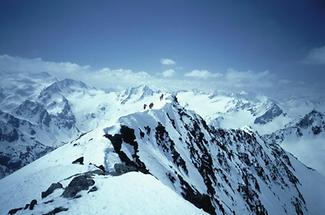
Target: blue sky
point(285, 38)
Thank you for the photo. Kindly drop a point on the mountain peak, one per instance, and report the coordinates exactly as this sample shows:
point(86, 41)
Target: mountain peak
point(137, 93)
point(69, 84)
point(313, 118)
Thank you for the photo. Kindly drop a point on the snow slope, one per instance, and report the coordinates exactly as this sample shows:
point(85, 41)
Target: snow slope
point(147, 143)
point(236, 110)
point(305, 138)
point(131, 193)
point(55, 112)
point(217, 170)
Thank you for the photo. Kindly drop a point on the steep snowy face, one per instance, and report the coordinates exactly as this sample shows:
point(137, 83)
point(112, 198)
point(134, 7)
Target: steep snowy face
point(312, 124)
point(39, 124)
point(54, 98)
point(60, 111)
point(134, 94)
point(304, 138)
point(20, 143)
point(270, 114)
point(314, 120)
point(66, 86)
point(236, 110)
point(220, 171)
point(216, 170)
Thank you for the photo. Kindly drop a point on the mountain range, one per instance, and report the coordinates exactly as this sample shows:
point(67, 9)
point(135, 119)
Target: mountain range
point(70, 148)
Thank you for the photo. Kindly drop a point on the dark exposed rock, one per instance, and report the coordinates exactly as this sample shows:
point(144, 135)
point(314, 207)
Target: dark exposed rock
point(26, 206)
point(49, 201)
point(51, 189)
point(127, 136)
point(269, 115)
point(14, 164)
point(101, 167)
point(14, 210)
point(316, 130)
point(93, 189)
point(4, 159)
point(56, 210)
point(78, 183)
point(10, 136)
point(79, 161)
point(32, 204)
point(121, 168)
point(202, 201)
point(168, 146)
point(309, 119)
point(171, 177)
point(141, 133)
point(148, 129)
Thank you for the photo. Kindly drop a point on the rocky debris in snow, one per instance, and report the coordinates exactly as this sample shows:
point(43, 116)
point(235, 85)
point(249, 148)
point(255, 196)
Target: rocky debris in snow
point(56, 210)
point(32, 204)
point(101, 167)
point(121, 168)
point(93, 189)
point(51, 189)
point(79, 161)
point(49, 201)
point(77, 184)
point(14, 211)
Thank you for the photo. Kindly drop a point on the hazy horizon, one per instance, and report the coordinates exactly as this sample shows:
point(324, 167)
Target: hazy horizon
point(250, 46)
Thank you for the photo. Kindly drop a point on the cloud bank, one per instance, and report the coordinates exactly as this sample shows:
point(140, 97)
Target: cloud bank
point(168, 73)
point(202, 74)
point(231, 80)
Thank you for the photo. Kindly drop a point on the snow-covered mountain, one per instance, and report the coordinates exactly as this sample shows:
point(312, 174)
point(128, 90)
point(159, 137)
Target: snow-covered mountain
point(38, 125)
point(185, 151)
point(173, 153)
point(305, 138)
point(134, 94)
point(236, 110)
point(57, 113)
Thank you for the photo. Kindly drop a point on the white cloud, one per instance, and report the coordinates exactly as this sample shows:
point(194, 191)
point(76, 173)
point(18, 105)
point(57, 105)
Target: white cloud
point(315, 56)
point(201, 74)
point(167, 61)
point(232, 80)
point(168, 73)
point(100, 78)
point(249, 78)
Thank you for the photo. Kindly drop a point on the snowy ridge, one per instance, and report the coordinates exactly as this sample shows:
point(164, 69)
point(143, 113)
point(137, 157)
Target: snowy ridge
point(184, 151)
point(236, 110)
point(59, 114)
point(199, 161)
point(134, 94)
point(312, 123)
point(219, 171)
point(304, 138)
